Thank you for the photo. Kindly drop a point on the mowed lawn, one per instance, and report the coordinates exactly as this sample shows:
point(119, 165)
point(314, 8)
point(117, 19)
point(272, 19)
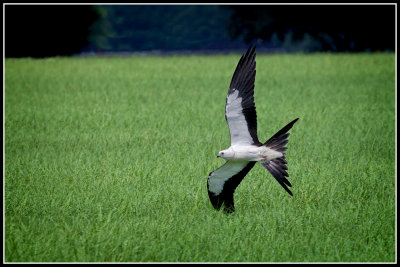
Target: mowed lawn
point(106, 160)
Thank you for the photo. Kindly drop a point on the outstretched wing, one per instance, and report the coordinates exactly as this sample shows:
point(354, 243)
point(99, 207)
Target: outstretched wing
point(222, 182)
point(240, 110)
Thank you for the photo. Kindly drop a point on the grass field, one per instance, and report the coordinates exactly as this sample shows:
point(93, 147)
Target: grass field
point(106, 159)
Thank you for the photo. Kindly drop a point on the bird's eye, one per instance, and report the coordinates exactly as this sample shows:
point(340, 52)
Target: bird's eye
point(222, 153)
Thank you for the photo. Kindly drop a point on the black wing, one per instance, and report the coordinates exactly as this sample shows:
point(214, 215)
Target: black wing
point(222, 182)
point(240, 110)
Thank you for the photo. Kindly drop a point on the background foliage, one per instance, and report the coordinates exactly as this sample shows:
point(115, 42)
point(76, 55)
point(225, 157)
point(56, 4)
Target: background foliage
point(48, 30)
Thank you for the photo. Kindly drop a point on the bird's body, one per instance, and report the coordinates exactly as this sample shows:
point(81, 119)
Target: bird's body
point(249, 153)
point(245, 149)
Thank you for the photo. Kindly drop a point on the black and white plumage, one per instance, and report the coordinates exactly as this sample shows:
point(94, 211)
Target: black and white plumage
point(246, 150)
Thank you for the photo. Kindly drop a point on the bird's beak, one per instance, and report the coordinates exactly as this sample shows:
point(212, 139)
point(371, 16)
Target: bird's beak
point(218, 156)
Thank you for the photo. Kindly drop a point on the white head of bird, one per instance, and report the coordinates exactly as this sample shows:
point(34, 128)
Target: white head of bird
point(226, 154)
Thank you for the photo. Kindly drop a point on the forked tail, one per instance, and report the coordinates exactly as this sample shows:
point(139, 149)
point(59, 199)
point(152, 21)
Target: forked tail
point(277, 167)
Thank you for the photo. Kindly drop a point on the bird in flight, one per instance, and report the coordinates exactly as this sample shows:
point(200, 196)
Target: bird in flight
point(246, 150)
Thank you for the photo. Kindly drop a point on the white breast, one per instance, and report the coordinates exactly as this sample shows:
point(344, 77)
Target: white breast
point(249, 153)
point(255, 153)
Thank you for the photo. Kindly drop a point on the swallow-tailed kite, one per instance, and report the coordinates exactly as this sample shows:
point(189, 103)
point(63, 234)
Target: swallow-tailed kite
point(245, 149)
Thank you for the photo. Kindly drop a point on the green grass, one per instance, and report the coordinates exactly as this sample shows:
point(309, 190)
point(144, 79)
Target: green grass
point(106, 159)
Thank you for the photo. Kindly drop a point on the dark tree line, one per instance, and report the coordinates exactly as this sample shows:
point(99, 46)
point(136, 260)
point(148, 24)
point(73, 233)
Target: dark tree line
point(332, 27)
point(49, 30)
point(161, 27)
